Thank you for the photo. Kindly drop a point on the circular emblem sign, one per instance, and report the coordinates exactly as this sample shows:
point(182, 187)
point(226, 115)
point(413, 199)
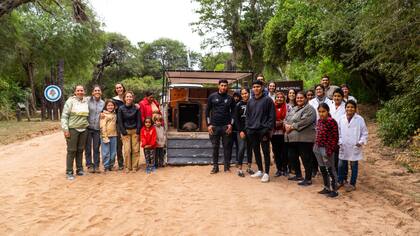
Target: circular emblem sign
point(52, 93)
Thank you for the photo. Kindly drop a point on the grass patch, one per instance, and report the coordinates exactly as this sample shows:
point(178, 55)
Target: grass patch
point(12, 131)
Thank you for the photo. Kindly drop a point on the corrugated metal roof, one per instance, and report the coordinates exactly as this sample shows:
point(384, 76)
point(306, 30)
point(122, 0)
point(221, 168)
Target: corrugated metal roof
point(205, 77)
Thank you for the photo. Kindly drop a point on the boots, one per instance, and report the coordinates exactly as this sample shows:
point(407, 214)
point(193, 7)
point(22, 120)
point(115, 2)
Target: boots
point(325, 177)
point(333, 192)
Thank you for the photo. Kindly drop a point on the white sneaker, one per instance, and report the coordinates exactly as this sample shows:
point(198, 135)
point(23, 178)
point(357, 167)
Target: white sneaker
point(257, 174)
point(265, 178)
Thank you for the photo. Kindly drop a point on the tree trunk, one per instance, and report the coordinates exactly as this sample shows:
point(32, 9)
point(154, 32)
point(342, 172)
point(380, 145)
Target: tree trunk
point(97, 75)
point(60, 75)
point(79, 14)
point(29, 70)
point(7, 6)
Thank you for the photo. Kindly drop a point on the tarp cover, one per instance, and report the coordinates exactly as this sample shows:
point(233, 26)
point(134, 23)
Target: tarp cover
point(204, 77)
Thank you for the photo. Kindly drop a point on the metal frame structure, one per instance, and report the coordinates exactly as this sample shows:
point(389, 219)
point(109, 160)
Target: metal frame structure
point(186, 148)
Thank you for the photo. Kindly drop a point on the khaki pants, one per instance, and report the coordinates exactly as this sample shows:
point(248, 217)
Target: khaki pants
point(131, 149)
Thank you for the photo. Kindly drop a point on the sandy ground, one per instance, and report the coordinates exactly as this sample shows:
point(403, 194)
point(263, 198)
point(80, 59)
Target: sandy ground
point(36, 199)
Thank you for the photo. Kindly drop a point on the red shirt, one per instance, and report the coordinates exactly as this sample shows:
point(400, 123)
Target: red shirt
point(148, 136)
point(281, 110)
point(327, 135)
point(146, 109)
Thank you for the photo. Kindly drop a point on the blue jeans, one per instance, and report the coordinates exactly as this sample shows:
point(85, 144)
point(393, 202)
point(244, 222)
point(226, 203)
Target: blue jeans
point(92, 145)
point(343, 170)
point(109, 151)
point(244, 145)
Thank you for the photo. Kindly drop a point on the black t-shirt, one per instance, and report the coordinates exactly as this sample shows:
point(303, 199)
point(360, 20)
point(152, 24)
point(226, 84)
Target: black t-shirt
point(240, 116)
point(219, 109)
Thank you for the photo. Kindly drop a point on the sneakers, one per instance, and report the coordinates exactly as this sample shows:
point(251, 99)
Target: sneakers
point(258, 174)
point(241, 173)
point(91, 169)
point(120, 167)
point(80, 173)
point(324, 191)
point(332, 194)
point(214, 170)
point(250, 171)
point(305, 183)
point(295, 178)
point(70, 176)
point(265, 178)
point(350, 188)
point(278, 173)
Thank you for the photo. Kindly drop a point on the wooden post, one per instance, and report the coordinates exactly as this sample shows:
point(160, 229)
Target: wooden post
point(18, 113)
point(60, 78)
point(54, 104)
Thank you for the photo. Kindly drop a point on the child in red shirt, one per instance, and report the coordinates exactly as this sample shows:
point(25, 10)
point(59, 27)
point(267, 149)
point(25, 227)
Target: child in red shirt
point(148, 143)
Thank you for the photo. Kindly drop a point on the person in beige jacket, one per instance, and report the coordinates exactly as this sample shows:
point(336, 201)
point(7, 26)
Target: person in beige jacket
point(108, 126)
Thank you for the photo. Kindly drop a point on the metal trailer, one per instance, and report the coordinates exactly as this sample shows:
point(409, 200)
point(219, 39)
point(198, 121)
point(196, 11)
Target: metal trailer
point(184, 99)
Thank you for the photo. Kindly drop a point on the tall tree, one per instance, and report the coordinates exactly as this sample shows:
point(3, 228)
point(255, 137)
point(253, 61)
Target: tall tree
point(166, 54)
point(39, 39)
point(237, 23)
point(115, 52)
point(79, 8)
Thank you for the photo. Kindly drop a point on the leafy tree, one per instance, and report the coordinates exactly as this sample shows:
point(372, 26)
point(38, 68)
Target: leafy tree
point(140, 85)
point(163, 54)
point(237, 23)
point(215, 61)
point(79, 8)
point(115, 52)
point(35, 40)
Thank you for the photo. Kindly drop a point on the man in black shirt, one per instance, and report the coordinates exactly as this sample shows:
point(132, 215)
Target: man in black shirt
point(260, 121)
point(219, 122)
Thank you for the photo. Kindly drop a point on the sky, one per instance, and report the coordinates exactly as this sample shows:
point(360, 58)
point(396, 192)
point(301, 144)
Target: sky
point(148, 20)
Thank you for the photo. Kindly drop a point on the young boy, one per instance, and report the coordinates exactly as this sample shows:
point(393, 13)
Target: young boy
point(353, 133)
point(160, 141)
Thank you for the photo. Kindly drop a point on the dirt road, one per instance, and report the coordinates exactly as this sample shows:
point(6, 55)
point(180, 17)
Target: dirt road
point(36, 199)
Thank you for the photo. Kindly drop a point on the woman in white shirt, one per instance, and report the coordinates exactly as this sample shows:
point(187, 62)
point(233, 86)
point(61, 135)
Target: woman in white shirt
point(346, 92)
point(337, 106)
point(337, 110)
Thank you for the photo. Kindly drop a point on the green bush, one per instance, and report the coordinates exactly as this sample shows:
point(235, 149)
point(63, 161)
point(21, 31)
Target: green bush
point(10, 95)
point(398, 119)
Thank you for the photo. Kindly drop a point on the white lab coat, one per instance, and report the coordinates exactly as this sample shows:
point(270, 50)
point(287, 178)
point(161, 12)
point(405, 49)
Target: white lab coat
point(350, 98)
point(314, 103)
point(337, 113)
point(351, 134)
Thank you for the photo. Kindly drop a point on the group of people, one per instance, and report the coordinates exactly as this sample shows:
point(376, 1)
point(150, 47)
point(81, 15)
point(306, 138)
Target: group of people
point(318, 128)
point(116, 127)
point(321, 127)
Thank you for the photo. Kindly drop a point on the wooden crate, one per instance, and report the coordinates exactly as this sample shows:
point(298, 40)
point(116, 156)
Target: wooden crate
point(178, 95)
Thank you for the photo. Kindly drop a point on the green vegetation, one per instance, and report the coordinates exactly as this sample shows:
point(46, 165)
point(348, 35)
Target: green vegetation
point(370, 45)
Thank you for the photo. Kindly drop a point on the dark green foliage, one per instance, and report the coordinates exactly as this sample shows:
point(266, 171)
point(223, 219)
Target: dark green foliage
point(400, 117)
point(370, 45)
